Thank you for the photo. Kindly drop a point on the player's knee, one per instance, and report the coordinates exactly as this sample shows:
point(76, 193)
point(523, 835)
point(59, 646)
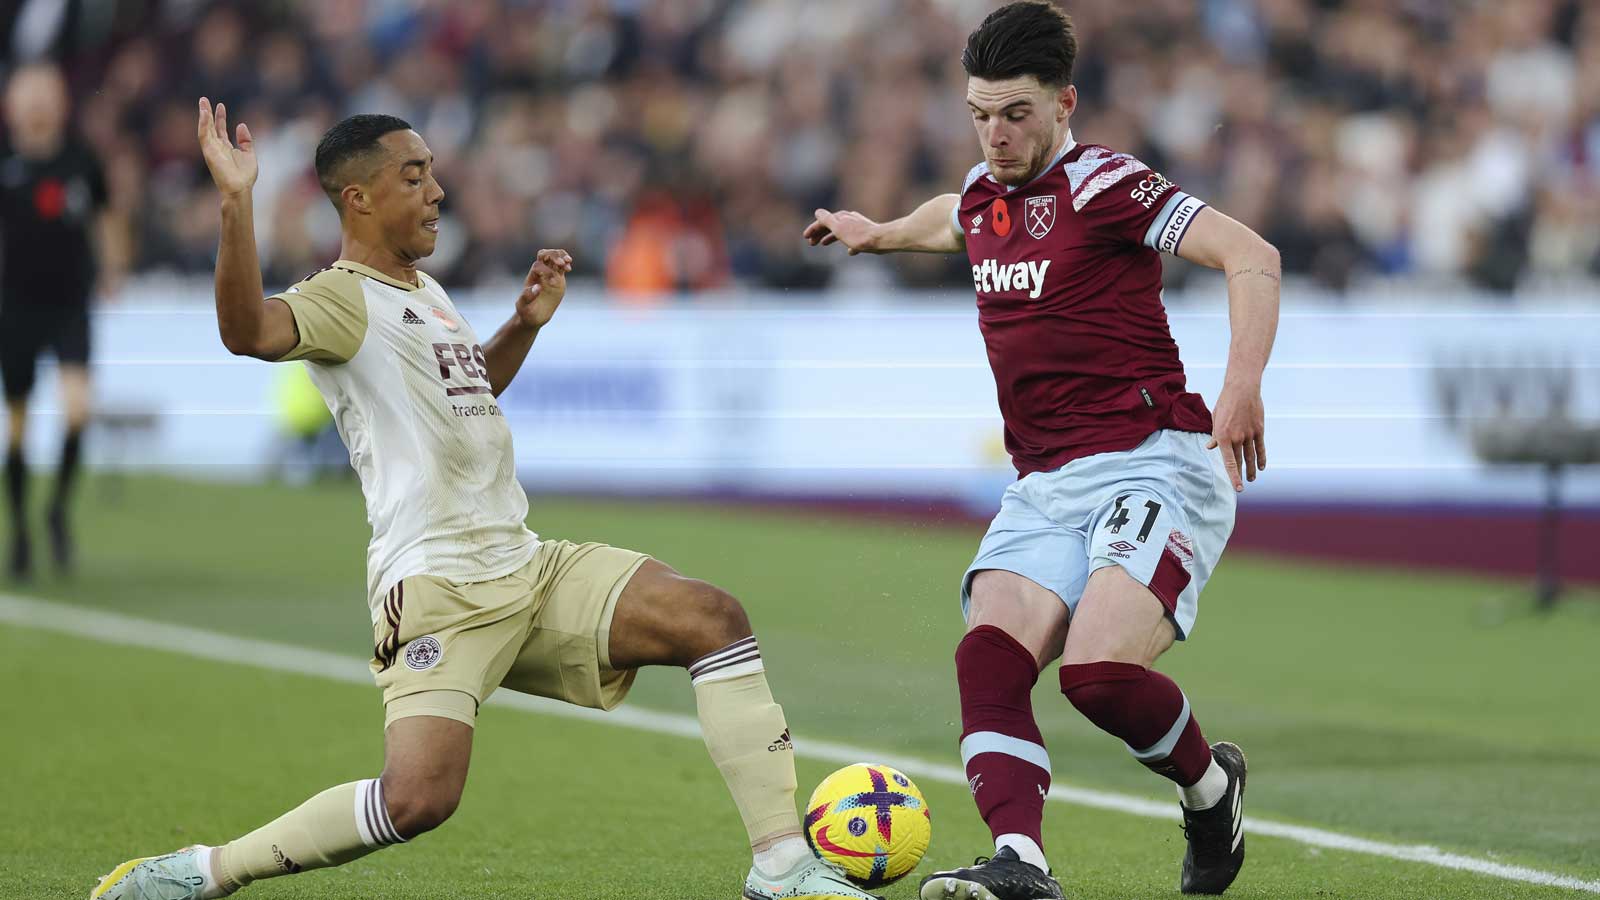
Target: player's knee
point(418, 807)
point(718, 619)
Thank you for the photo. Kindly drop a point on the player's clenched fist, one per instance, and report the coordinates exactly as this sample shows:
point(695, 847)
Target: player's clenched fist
point(233, 169)
point(544, 287)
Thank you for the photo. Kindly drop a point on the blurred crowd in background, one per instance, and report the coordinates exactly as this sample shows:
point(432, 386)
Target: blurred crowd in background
point(681, 145)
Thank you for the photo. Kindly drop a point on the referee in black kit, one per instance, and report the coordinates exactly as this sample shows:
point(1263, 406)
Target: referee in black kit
point(52, 191)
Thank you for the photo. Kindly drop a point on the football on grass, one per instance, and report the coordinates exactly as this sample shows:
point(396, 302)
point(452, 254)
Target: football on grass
point(871, 821)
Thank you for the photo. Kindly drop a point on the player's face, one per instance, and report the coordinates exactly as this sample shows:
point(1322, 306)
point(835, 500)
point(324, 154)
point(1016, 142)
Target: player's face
point(1020, 124)
point(405, 196)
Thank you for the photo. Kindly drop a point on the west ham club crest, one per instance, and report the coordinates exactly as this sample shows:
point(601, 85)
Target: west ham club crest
point(1041, 215)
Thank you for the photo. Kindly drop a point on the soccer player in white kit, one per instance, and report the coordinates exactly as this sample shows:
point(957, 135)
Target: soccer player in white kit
point(464, 598)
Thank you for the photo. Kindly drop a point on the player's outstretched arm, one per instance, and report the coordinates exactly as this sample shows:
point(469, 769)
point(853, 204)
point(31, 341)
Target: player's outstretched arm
point(250, 325)
point(541, 295)
point(1254, 276)
point(929, 229)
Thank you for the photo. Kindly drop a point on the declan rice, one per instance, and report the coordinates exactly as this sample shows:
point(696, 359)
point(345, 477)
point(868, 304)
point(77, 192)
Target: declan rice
point(1125, 494)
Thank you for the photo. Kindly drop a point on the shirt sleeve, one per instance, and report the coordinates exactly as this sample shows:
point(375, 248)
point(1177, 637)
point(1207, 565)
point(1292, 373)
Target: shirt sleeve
point(973, 174)
point(1127, 202)
point(330, 315)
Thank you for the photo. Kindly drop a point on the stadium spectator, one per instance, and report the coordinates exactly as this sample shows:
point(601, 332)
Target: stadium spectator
point(1447, 143)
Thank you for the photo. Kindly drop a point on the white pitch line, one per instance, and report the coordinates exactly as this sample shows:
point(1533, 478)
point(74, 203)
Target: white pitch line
point(116, 628)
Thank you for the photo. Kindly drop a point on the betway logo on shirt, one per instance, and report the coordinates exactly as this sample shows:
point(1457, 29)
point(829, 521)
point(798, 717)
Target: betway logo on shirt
point(991, 277)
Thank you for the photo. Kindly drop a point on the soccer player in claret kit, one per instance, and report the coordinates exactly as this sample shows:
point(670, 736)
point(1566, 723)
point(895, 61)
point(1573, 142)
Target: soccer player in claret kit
point(464, 598)
point(1100, 549)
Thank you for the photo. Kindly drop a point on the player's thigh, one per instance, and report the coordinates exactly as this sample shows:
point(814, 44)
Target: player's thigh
point(1030, 613)
point(1026, 577)
point(568, 655)
point(425, 762)
point(1164, 515)
point(440, 648)
point(667, 619)
point(1118, 620)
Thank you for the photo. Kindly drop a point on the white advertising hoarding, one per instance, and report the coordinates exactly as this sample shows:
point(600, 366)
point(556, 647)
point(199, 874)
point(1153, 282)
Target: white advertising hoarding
point(892, 399)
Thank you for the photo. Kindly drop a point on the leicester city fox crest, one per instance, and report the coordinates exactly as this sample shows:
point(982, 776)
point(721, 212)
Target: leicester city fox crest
point(423, 653)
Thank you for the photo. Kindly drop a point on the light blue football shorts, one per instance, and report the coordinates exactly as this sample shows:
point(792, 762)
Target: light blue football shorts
point(1162, 511)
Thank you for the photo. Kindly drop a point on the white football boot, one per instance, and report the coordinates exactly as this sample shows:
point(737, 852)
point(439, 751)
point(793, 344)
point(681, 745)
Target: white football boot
point(175, 876)
point(811, 879)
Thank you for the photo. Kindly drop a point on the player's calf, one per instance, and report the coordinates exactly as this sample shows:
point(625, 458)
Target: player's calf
point(1144, 708)
point(1002, 750)
point(425, 769)
point(340, 824)
point(1120, 629)
point(663, 618)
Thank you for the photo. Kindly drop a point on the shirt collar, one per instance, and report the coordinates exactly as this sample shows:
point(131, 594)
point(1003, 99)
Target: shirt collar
point(374, 274)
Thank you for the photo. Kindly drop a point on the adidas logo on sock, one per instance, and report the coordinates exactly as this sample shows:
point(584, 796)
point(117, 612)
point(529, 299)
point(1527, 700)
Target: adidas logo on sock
point(411, 318)
point(782, 743)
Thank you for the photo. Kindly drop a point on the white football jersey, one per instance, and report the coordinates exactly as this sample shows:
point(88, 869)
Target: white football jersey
point(408, 385)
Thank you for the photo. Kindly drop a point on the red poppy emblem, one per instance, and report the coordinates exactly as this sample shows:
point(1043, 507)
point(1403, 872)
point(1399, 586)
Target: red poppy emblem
point(1000, 217)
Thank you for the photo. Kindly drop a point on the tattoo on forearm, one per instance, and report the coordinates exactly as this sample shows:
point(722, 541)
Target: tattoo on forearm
point(1265, 273)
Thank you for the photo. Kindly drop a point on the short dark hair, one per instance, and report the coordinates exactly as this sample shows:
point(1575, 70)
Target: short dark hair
point(1030, 37)
point(349, 140)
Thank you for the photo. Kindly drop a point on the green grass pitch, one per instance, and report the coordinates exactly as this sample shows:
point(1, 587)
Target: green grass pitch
point(1405, 707)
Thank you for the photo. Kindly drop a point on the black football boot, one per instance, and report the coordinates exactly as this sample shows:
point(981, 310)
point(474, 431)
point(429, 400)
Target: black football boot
point(1216, 835)
point(1003, 876)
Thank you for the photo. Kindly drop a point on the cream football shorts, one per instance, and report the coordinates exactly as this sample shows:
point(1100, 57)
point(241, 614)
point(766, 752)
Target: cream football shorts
point(441, 647)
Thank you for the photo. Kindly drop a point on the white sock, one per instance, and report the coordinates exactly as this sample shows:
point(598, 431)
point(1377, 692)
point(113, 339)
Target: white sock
point(1025, 848)
point(1205, 793)
point(782, 857)
point(211, 889)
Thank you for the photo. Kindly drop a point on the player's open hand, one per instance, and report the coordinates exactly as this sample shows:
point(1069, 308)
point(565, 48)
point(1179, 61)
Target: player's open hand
point(546, 284)
point(232, 168)
point(849, 228)
point(1239, 428)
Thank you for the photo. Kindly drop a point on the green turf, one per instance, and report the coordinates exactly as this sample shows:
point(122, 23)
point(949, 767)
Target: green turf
point(1403, 706)
point(132, 751)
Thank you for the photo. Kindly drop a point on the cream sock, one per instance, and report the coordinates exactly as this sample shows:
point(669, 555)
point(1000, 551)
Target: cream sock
point(334, 827)
point(748, 739)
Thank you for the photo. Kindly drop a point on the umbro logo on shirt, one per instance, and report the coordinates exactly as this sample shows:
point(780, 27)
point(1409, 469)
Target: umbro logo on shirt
point(411, 318)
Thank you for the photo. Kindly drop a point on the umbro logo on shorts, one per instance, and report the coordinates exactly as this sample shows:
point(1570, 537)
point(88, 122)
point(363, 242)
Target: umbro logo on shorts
point(1123, 546)
point(411, 318)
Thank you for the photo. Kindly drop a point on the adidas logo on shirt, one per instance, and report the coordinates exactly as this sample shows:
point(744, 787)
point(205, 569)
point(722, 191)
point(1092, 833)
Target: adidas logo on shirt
point(411, 318)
